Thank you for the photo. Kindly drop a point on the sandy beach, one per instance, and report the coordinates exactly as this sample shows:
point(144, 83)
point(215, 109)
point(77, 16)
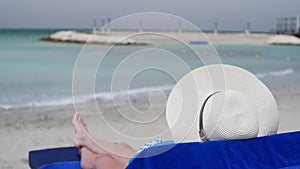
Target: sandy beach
point(39, 129)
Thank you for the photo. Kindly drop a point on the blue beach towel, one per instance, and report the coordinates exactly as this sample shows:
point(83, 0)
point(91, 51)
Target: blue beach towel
point(277, 151)
point(62, 165)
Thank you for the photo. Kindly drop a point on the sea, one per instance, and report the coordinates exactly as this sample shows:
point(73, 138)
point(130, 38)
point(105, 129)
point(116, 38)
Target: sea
point(40, 74)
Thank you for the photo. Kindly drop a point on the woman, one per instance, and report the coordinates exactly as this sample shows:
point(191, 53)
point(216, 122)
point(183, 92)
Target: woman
point(244, 108)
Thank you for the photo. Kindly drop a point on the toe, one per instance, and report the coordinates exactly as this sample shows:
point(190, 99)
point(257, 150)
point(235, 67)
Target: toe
point(75, 118)
point(76, 122)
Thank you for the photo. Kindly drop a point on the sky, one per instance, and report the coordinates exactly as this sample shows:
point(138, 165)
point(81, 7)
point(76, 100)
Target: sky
point(230, 14)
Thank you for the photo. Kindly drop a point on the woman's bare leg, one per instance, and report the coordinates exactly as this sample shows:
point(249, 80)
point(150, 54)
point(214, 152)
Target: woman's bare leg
point(120, 151)
point(90, 160)
point(103, 162)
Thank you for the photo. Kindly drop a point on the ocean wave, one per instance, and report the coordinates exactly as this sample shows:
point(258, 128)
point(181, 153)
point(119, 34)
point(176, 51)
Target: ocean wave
point(102, 96)
point(37, 104)
point(116, 96)
point(132, 92)
point(283, 72)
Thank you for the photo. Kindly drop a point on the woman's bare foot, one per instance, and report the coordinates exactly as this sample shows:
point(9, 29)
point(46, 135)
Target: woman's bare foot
point(83, 139)
point(120, 151)
point(80, 131)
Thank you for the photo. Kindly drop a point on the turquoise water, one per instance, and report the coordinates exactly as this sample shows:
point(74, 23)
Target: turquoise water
point(39, 74)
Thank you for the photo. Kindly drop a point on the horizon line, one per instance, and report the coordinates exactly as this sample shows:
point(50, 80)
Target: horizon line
point(86, 29)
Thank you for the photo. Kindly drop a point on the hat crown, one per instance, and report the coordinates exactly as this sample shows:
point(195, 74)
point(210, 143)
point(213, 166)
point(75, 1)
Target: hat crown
point(239, 120)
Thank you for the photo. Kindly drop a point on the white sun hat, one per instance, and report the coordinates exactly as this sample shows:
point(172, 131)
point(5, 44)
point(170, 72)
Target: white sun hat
point(220, 102)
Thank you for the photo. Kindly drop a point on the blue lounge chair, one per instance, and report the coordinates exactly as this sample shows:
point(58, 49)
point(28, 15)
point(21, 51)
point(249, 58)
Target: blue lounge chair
point(56, 157)
point(276, 151)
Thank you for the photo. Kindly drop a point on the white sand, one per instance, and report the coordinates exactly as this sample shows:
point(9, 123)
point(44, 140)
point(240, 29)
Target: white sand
point(136, 38)
point(160, 38)
point(40, 129)
point(221, 38)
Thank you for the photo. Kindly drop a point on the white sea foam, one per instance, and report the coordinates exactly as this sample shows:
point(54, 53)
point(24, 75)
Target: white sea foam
point(102, 96)
point(283, 72)
point(6, 107)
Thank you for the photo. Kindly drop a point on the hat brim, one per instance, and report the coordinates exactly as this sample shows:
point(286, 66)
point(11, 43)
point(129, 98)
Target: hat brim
point(185, 99)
